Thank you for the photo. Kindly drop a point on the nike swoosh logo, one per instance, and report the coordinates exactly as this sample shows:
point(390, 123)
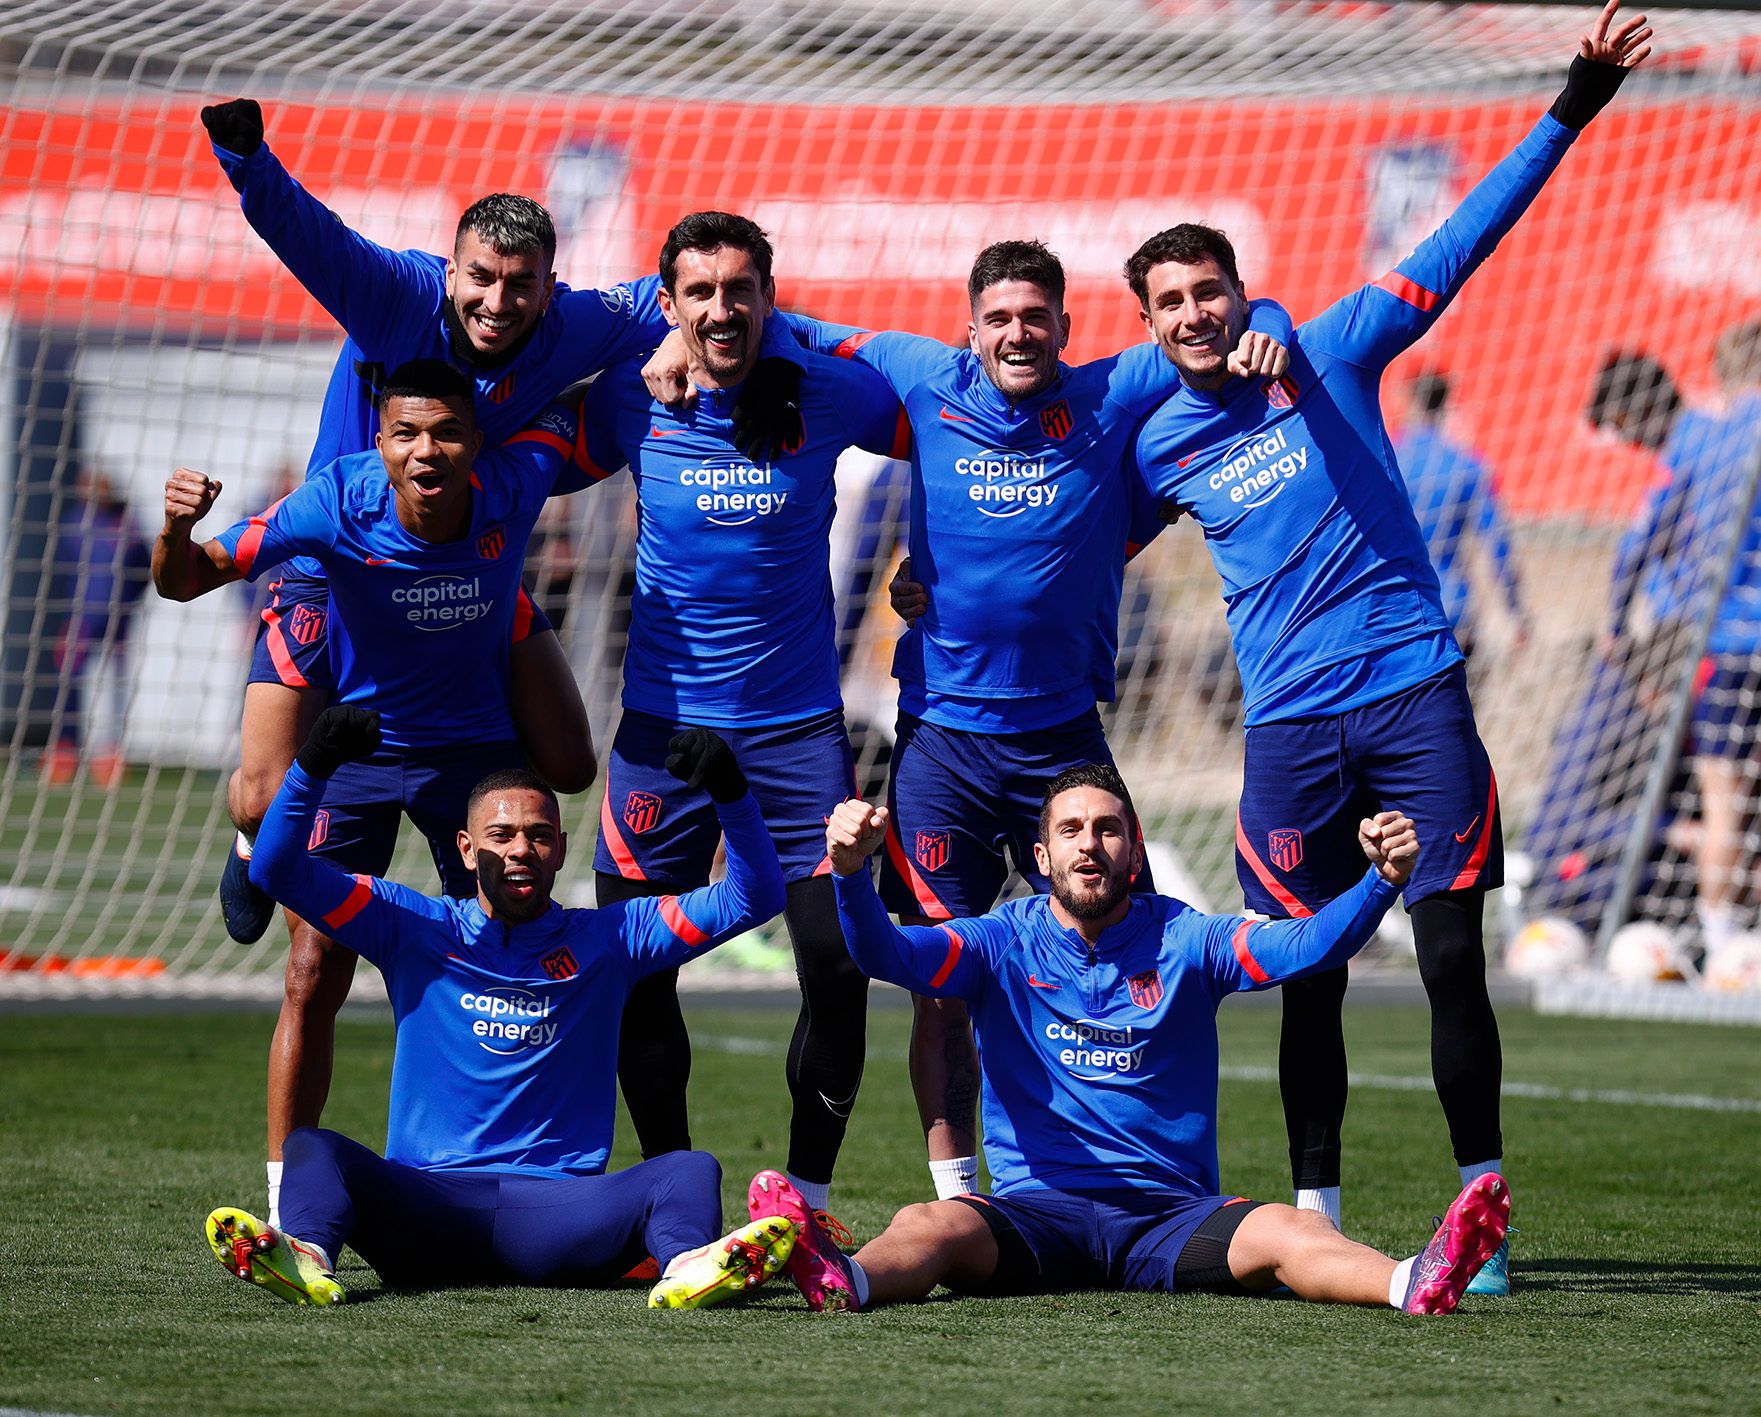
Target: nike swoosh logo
point(375, 561)
point(1462, 836)
point(1040, 983)
point(658, 432)
point(1182, 462)
point(954, 417)
point(839, 1109)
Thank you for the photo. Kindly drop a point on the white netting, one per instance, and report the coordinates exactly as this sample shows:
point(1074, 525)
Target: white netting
point(881, 143)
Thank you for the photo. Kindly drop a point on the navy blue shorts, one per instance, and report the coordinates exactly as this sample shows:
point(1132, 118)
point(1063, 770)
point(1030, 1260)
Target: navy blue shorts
point(1306, 784)
point(364, 803)
point(293, 643)
point(963, 805)
point(1727, 711)
point(1162, 1242)
point(653, 828)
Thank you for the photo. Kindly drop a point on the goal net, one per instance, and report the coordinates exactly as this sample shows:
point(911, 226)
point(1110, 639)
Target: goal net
point(881, 143)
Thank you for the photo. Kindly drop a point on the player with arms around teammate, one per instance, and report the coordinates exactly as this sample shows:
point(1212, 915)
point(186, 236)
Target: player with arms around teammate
point(1095, 1010)
point(506, 1008)
point(1354, 690)
point(1021, 517)
point(732, 628)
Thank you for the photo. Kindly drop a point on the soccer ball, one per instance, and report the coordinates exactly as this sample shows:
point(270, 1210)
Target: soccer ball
point(1645, 952)
point(1547, 948)
point(1736, 968)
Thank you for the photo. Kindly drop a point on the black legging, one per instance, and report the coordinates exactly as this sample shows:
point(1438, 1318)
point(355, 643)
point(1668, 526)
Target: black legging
point(824, 1067)
point(1467, 1061)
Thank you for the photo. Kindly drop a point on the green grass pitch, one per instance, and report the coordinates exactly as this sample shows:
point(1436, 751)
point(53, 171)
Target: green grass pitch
point(1638, 1266)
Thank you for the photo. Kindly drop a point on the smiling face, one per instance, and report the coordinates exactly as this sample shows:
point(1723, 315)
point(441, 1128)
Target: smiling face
point(496, 295)
point(514, 841)
point(428, 445)
point(1197, 315)
point(1089, 851)
point(719, 301)
point(1018, 330)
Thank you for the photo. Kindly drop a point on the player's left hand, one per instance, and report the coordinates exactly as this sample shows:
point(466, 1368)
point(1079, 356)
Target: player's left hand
point(700, 757)
point(344, 733)
point(853, 833)
point(909, 598)
point(1628, 46)
point(1391, 844)
point(1259, 356)
point(236, 125)
point(767, 414)
point(667, 373)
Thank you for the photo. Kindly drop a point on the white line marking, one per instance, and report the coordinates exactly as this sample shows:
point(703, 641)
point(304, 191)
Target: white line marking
point(1384, 1082)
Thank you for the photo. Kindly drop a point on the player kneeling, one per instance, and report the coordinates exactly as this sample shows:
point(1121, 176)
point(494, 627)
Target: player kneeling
point(502, 1086)
point(1095, 1012)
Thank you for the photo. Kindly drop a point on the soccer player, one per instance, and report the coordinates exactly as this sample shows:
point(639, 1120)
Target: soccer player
point(501, 1083)
point(732, 628)
point(1021, 515)
point(1457, 506)
point(1354, 692)
point(1095, 1010)
point(423, 541)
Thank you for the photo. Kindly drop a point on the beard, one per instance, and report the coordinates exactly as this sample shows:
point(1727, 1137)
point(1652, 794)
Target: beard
point(489, 880)
point(1086, 903)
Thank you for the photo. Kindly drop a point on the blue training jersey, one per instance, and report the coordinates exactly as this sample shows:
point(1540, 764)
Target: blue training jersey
point(1021, 521)
point(507, 1035)
point(413, 616)
point(731, 624)
point(1453, 499)
point(1100, 1064)
point(1332, 602)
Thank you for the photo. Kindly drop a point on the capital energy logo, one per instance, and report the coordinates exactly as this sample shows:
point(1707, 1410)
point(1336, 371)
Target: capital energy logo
point(443, 602)
point(1005, 484)
point(1095, 1051)
point(1256, 468)
point(508, 1021)
point(732, 492)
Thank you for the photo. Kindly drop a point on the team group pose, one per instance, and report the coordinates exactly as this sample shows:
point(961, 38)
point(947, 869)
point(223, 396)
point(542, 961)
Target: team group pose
point(1084, 1014)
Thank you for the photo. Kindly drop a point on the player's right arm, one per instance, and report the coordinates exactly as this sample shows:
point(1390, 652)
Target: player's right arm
point(301, 523)
point(374, 293)
point(941, 961)
point(363, 913)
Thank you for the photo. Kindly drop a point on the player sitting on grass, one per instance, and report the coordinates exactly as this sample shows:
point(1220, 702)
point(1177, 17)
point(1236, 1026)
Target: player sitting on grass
point(506, 1007)
point(1095, 1011)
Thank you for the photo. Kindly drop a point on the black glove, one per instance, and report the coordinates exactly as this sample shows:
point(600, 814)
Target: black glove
point(342, 734)
point(767, 415)
point(236, 126)
point(699, 757)
point(1589, 85)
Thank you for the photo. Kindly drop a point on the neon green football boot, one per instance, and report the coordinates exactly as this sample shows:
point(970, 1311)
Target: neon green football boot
point(289, 1269)
point(731, 1265)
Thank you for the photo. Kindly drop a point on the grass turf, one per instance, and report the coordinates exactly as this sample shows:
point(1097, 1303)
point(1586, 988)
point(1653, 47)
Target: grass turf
point(1638, 1270)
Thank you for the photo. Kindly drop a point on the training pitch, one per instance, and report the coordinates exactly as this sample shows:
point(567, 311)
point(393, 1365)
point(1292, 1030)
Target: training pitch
point(1634, 1153)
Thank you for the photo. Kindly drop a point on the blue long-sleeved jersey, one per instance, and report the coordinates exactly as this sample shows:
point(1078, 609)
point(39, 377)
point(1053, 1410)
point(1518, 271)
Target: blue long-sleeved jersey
point(1100, 1064)
point(1021, 519)
point(507, 1035)
point(1332, 602)
point(1452, 497)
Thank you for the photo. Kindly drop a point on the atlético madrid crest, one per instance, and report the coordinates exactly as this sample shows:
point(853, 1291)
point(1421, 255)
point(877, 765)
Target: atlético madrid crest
point(1285, 848)
point(1281, 393)
point(641, 811)
point(305, 624)
point(490, 544)
point(1146, 988)
point(1055, 421)
point(932, 850)
point(560, 964)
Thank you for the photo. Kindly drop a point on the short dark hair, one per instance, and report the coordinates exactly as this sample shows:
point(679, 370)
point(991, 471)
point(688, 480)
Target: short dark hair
point(511, 780)
point(1639, 389)
point(705, 231)
point(1189, 243)
point(1103, 776)
point(1016, 260)
point(509, 223)
point(1429, 392)
point(425, 379)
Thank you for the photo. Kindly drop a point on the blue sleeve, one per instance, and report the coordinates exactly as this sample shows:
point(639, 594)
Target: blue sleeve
point(303, 523)
point(1245, 954)
point(597, 448)
point(625, 322)
point(874, 419)
point(362, 912)
point(347, 423)
point(941, 961)
point(661, 931)
point(1375, 323)
point(378, 296)
point(1146, 520)
point(903, 360)
point(549, 455)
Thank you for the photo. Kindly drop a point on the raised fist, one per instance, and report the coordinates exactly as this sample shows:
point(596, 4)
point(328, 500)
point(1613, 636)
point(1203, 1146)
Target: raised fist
point(236, 126)
point(699, 757)
point(344, 733)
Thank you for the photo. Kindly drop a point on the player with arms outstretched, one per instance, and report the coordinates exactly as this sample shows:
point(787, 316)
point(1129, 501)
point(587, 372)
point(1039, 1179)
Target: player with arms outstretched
point(506, 1008)
point(1354, 689)
point(1095, 1010)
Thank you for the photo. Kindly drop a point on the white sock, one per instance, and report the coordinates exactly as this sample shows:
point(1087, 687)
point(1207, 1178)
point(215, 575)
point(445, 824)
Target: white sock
point(813, 1192)
point(1482, 1168)
point(858, 1282)
point(957, 1176)
point(1718, 923)
point(241, 845)
point(274, 1193)
point(1398, 1281)
point(1324, 1199)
